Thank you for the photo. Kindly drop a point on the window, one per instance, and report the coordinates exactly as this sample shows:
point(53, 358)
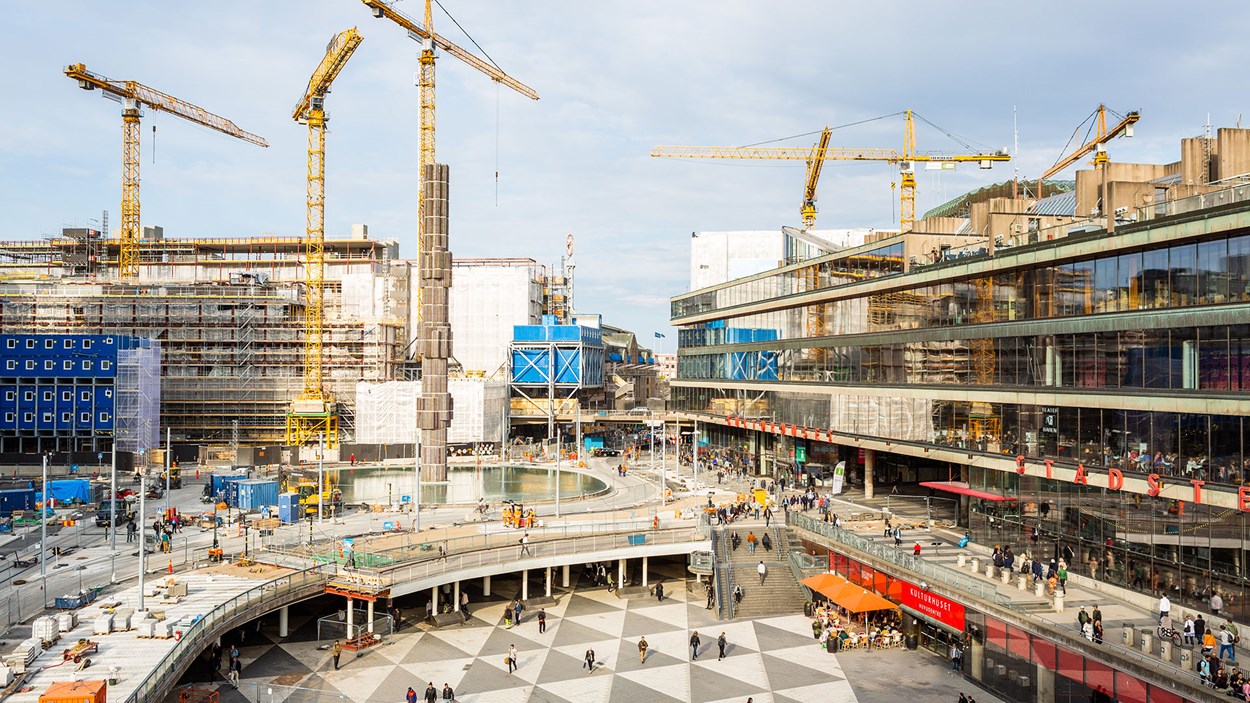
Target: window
point(86, 344)
point(86, 396)
point(86, 365)
point(69, 344)
point(108, 393)
point(67, 417)
point(49, 365)
point(67, 396)
point(47, 396)
point(47, 418)
point(30, 364)
point(11, 364)
point(85, 418)
point(30, 344)
point(49, 344)
point(104, 417)
point(12, 344)
point(10, 395)
point(28, 417)
point(29, 396)
point(10, 418)
point(68, 365)
point(106, 365)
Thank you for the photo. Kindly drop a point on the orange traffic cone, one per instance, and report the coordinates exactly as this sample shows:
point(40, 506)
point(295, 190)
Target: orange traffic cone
point(171, 566)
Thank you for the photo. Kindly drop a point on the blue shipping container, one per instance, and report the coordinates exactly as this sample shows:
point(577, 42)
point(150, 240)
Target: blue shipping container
point(256, 493)
point(16, 499)
point(220, 481)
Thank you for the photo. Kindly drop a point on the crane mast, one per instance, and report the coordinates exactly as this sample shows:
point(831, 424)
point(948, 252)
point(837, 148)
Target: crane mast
point(314, 413)
point(134, 97)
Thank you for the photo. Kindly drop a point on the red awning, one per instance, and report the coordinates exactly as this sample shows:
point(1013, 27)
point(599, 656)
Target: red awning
point(964, 490)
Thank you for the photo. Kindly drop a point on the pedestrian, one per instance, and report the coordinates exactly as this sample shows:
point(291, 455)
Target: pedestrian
point(962, 698)
point(1227, 643)
point(751, 542)
point(235, 667)
point(1216, 603)
point(464, 604)
point(1200, 627)
point(525, 545)
point(711, 595)
point(448, 693)
point(659, 592)
point(336, 651)
point(720, 645)
point(1165, 607)
point(511, 659)
point(517, 607)
point(916, 550)
point(887, 528)
point(1098, 631)
point(957, 656)
point(642, 650)
point(431, 695)
point(1081, 618)
point(1096, 615)
point(898, 537)
point(1189, 629)
point(768, 516)
point(763, 571)
point(542, 620)
point(132, 531)
point(590, 660)
point(1062, 575)
point(694, 645)
point(410, 696)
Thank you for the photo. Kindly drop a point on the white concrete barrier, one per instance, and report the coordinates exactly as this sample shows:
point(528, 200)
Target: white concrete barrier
point(1058, 602)
point(1022, 582)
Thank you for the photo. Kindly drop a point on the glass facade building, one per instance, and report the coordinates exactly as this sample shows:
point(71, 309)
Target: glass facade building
point(1122, 353)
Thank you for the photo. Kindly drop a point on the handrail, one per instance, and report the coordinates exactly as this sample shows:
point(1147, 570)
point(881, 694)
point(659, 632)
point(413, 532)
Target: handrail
point(932, 572)
point(195, 637)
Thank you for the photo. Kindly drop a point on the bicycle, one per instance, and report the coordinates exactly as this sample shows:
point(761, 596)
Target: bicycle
point(1167, 633)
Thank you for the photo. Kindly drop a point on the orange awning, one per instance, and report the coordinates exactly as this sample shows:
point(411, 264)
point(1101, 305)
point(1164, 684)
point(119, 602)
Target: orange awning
point(854, 598)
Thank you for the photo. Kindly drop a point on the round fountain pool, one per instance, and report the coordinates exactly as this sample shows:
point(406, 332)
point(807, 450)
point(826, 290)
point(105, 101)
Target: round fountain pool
point(467, 484)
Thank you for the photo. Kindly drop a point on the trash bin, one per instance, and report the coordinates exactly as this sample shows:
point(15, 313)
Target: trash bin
point(807, 609)
point(834, 645)
point(912, 641)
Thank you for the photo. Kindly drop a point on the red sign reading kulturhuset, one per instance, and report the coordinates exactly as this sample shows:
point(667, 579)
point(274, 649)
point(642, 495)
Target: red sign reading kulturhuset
point(931, 604)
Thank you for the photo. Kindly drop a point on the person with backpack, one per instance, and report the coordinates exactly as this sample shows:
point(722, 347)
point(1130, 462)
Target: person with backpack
point(1082, 618)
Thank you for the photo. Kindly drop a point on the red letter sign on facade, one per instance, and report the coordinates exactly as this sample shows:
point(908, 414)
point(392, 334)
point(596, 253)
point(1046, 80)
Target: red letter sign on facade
point(1153, 482)
point(1243, 499)
point(1115, 479)
point(1049, 464)
point(1020, 464)
point(1080, 476)
point(1197, 490)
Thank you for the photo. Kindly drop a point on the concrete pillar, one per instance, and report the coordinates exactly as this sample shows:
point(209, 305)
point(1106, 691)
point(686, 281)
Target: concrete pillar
point(434, 331)
point(1045, 680)
point(350, 616)
point(525, 584)
point(548, 582)
point(485, 586)
point(566, 576)
point(434, 600)
point(870, 461)
point(644, 571)
point(620, 573)
point(284, 615)
point(369, 615)
point(455, 594)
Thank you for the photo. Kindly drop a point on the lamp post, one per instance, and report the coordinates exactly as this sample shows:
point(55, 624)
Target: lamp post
point(168, 450)
point(43, 533)
point(143, 549)
point(112, 532)
point(559, 448)
point(321, 467)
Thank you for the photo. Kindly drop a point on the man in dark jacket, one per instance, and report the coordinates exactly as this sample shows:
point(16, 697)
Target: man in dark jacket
point(431, 695)
point(694, 645)
point(448, 694)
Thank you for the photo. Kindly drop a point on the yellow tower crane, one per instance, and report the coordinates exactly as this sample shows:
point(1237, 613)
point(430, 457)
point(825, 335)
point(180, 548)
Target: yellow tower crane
point(430, 41)
point(906, 160)
point(314, 413)
point(1094, 143)
point(133, 97)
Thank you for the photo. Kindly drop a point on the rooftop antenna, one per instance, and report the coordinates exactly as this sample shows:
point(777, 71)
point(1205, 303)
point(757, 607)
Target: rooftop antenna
point(1015, 156)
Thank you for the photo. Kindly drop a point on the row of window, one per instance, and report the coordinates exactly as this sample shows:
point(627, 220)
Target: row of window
point(1215, 357)
point(1185, 275)
point(67, 396)
point(51, 343)
point(50, 365)
point(84, 418)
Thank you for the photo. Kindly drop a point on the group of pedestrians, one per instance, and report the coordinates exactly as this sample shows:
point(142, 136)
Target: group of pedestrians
point(233, 667)
point(431, 694)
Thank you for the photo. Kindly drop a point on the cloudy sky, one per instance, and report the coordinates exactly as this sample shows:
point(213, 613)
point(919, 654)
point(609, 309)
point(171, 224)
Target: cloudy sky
point(616, 78)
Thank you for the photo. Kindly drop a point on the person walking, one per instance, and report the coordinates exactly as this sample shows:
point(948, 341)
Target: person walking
point(336, 651)
point(751, 542)
point(659, 592)
point(1189, 630)
point(525, 545)
point(590, 660)
point(1200, 628)
point(132, 531)
point(763, 571)
point(464, 604)
point(711, 595)
point(720, 645)
point(898, 537)
point(1226, 640)
point(235, 667)
point(410, 696)
point(448, 693)
point(510, 658)
point(542, 620)
point(431, 695)
point(507, 616)
point(642, 650)
point(1096, 615)
point(694, 645)
point(915, 551)
point(1165, 607)
point(517, 607)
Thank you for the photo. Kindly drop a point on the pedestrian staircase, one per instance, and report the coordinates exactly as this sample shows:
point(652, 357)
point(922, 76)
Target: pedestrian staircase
point(780, 594)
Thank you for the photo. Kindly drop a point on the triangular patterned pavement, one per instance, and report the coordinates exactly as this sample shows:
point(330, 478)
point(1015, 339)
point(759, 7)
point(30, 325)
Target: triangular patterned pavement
point(783, 671)
point(572, 633)
point(627, 657)
point(434, 649)
point(770, 638)
point(583, 605)
point(625, 690)
point(638, 625)
point(609, 624)
point(707, 685)
point(834, 691)
point(561, 666)
point(586, 689)
point(487, 676)
point(747, 668)
point(670, 681)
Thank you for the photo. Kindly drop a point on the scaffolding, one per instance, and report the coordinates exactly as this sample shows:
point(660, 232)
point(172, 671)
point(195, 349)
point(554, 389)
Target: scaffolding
point(384, 411)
